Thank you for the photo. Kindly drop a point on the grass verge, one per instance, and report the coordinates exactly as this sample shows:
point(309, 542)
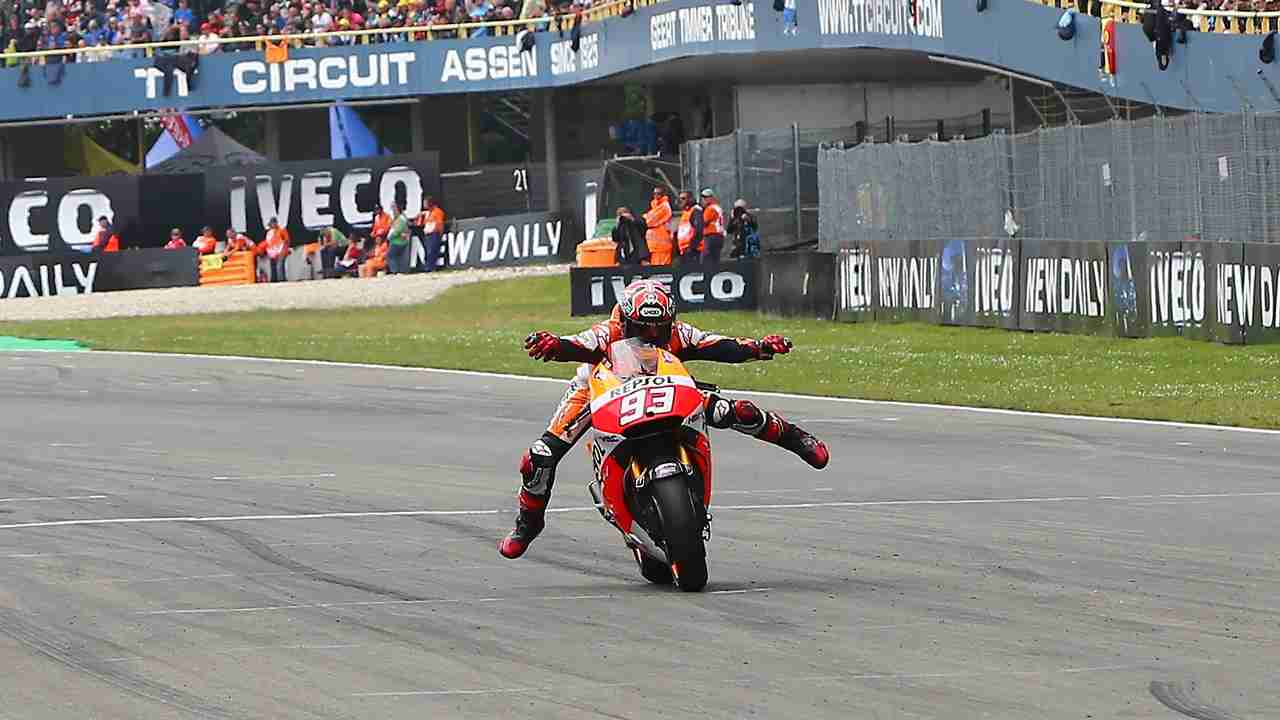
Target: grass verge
point(481, 326)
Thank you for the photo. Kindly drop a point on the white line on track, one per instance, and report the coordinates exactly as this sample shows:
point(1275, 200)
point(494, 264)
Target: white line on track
point(424, 601)
point(769, 506)
point(775, 492)
point(757, 393)
point(52, 497)
point(372, 603)
point(492, 691)
point(312, 476)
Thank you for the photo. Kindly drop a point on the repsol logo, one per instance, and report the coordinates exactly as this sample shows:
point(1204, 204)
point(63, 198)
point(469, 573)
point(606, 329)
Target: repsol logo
point(693, 288)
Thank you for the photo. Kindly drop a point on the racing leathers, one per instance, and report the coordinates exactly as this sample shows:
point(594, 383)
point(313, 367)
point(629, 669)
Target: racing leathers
point(572, 416)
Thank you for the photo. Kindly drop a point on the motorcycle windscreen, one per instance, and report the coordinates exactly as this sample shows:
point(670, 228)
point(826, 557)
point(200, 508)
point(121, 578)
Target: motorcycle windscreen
point(633, 357)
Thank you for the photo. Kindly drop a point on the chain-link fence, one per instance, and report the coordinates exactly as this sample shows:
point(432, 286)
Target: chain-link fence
point(775, 171)
point(1163, 178)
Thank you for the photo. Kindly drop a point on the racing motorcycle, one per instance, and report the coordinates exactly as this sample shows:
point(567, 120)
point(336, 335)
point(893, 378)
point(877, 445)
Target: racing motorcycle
point(652, 460)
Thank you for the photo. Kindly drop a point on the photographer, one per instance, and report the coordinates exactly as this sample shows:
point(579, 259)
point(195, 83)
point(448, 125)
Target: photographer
point(745, 231)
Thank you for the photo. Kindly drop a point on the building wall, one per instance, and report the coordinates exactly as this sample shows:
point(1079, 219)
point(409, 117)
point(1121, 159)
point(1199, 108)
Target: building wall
point(764, 107)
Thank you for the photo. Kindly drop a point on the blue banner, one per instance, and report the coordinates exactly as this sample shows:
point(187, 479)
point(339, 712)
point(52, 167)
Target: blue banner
point(1017, 35)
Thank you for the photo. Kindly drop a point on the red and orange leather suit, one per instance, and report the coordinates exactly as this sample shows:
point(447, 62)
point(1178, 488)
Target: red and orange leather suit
point(572, 417)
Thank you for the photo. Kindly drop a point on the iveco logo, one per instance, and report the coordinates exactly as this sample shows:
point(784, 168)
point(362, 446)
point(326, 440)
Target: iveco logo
point(692, 288)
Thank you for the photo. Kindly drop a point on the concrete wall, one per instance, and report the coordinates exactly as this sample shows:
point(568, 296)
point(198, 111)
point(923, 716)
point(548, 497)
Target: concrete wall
point(764, 107)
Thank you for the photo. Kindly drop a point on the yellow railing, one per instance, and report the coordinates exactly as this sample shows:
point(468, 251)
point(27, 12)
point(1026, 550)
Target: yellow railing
point(1132, 12)
point(411, 34)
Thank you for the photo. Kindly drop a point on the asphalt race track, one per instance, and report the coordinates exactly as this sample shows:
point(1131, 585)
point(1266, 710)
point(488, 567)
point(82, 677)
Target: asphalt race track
point(184, 538)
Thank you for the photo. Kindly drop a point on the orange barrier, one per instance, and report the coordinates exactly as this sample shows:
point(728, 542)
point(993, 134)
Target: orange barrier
point(239, 268)
point(600, 252)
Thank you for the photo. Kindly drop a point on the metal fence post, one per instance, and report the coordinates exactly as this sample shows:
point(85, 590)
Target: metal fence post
point(795, 147)
point(737, 163)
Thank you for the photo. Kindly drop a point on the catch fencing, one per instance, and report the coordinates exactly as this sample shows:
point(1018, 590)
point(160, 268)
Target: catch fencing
point(776, 171)
point(1166, 179)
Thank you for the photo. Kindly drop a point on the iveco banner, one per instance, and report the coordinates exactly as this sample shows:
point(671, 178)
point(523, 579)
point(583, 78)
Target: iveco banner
point(1155, 288)
point(1254, 297)
point(978, 282)
point(724, 286)
point(1064, 287)
point(797, 284)
point(49, 274)
point(855, 283)
point(60, 214)
point(505, 240)
point(311, 195)
point(907, 280)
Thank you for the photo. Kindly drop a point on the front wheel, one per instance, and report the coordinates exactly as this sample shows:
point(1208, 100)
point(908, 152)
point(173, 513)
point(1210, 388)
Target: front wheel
point(682, 532)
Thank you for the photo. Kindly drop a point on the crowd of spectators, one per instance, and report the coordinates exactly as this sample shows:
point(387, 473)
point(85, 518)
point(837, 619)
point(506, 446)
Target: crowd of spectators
point(1182, 13)
point(384, 247)
point(99, 26)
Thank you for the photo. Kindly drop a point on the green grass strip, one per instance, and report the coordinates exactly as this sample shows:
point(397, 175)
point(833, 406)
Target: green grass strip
point(481, 327)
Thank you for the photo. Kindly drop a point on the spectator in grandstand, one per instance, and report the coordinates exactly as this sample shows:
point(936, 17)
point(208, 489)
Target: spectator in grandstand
point(207, 242)
point(276, 247)
point(745, 231)
point(629, 239)
point(105, 240)
point(398, 235)
point(689, 231)
point(236, 242)
point(712, 227)
point(658, 234)
point(429, 228)
point(176, 241)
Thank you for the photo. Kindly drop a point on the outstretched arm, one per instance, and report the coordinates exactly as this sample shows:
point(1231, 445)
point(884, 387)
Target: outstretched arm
point(701, 345)
point(587, 346)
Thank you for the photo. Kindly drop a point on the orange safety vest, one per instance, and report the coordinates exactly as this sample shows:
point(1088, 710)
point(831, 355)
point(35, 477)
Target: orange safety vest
point(277, 52)
point(684, 231)
point(432, 221)
point(206, 244)
point(277, 243)
point(713, 220)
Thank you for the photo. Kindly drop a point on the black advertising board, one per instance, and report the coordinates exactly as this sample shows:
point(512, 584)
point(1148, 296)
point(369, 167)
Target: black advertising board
point(798, 284)
point(978, 282)
point(311, 195)
point(530, 238)
point(60, 214)
point(47, 274)
point(907, 282)
point(1257, 284)
point(1156, 289)
point(1063, 286)
point(855, 282)
point(723, 286)
point(1221, 264)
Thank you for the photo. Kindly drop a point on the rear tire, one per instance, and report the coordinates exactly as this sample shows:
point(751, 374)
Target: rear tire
point(682, 530)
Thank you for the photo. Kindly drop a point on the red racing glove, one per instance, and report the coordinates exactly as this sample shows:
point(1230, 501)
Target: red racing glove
point(543, 346)
point(771, 345)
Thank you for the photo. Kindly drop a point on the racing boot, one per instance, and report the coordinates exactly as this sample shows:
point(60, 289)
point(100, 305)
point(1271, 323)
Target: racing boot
point(538, 476)
point(529, 524)
point(745, 417)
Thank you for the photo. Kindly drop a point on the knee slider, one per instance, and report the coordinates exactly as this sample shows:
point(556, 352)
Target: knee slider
point(538, 465)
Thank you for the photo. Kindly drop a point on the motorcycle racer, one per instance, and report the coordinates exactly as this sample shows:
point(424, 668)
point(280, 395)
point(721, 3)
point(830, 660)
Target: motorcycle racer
point(647, 311)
